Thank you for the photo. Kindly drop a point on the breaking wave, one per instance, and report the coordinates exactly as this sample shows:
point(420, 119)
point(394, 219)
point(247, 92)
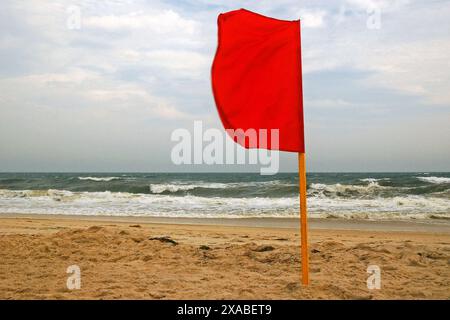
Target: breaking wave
point(339, 195)
point(99, 179)
point(373, 179)
point(349, 191)
point(436, 180)
point(130, 204)
point(160, 188)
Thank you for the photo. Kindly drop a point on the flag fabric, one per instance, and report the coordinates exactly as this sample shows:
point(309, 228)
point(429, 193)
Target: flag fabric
point(257, 78)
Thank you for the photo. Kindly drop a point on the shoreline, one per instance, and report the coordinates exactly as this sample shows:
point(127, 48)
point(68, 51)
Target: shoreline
point(438, 225)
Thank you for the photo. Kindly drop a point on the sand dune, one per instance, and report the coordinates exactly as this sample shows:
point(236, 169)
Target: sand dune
point(121, 260)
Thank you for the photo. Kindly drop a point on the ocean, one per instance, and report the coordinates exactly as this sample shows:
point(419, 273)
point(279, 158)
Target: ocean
point(375, 196)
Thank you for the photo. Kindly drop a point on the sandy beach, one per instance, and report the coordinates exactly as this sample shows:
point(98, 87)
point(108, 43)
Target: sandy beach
point(138, 258)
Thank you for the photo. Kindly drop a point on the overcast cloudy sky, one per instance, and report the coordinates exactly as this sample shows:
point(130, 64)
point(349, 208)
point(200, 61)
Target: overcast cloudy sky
point(107, 95)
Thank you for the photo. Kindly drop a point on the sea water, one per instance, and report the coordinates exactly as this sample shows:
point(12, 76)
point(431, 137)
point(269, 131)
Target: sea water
point(377, 196)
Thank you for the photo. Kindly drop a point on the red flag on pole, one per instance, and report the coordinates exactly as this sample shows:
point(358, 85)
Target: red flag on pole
point(257, 84)
point(256, 77)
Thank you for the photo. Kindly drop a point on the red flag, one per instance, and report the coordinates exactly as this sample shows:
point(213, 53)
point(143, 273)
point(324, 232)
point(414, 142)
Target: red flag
point(257, 77)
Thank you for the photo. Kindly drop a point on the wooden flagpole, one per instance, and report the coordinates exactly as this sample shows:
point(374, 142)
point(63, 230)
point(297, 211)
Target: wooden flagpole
point(303, 218)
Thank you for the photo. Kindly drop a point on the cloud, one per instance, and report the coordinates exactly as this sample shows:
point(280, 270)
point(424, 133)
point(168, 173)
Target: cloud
point(398, 56)
point(180, 62)
point(77, 89)
point(420, 69)
point(329, 103)
point(137, 67)
point(162, 22)
point(73, 76)
point(385, 5)
point(312, 19)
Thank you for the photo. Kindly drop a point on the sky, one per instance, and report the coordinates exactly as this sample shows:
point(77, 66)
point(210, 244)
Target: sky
point(100, 85)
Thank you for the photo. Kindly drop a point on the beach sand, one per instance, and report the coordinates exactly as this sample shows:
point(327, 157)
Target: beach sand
point(136, 259)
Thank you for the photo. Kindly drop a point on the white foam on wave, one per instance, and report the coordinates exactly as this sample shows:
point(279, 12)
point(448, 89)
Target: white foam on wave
point(51, 193)
point(98, 179)
point(336, 189)
point(160, 188)
point(175, 187)
point(129, 204)
point(373, 179)
point(405, 205)
point(436, 180)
